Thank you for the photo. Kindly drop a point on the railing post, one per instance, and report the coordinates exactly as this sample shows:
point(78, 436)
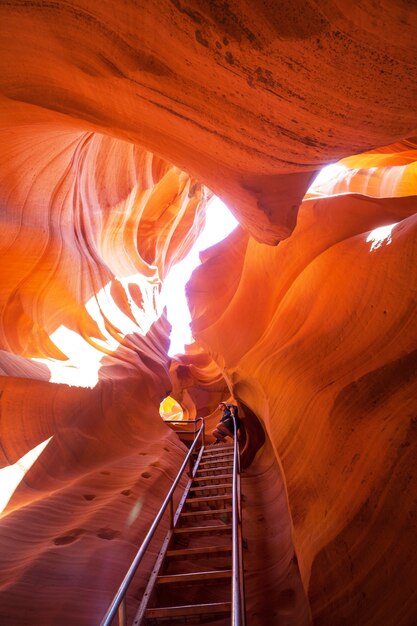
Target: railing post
point(238, 603)
point(171, 512)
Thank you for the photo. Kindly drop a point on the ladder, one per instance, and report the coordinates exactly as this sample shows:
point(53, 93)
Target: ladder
point(198, 575)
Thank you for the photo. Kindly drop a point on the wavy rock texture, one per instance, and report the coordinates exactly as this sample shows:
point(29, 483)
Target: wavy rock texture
point(73, 524)
point(90, 227)
point(197, 382)
point(89, 230)
point(112, 116)
point(251, 99)
point(329, 369)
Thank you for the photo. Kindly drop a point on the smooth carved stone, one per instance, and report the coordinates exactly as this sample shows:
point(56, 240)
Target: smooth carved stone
point(325, 357)
point(294, 87)
point(118, 123)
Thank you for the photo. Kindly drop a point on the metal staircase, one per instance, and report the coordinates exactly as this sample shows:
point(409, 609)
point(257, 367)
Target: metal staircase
point(198, 574)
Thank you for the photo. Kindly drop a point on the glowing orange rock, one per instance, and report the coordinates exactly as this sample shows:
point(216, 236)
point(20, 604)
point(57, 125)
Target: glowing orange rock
point(324, 355)
point(251, 100)
point(111, 118)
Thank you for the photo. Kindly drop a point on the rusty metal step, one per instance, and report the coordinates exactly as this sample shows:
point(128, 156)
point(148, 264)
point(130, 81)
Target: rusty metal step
point(208, 499)
point(214, 452)
point(181, 579)
point(218, 528)
point(211, 469)
point(211, 487)
point(216, 455)
point(206, 513)
point(227, 461)
point(216, 461)
point(201, 479)
point(184, 552)
point(217, 452)
point(216, 608)
point(220, 459)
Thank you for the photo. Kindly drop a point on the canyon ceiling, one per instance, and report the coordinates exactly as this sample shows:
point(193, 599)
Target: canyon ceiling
point(119, 121)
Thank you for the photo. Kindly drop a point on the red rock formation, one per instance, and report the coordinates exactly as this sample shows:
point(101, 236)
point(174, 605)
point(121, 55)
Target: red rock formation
point(241, 95)
point(110, 113)
point(329, 369)
point(91, 226)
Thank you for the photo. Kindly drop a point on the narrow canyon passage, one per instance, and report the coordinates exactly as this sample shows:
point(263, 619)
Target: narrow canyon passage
point(119, 123)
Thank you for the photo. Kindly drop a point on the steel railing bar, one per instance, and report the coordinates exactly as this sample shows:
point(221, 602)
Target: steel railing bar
point(157, 566)
point(238, 610)
point(121, 592)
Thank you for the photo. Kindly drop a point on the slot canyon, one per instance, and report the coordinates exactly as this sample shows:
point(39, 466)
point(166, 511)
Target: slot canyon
point(120, 121)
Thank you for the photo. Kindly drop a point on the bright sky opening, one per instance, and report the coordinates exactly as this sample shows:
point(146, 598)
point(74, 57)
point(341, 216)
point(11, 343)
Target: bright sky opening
point(327, 173)
point(84, 359)
point(219, 223)
point(12, 475)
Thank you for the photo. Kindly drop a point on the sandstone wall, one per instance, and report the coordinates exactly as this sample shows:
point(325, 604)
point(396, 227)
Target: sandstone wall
point(113, 116)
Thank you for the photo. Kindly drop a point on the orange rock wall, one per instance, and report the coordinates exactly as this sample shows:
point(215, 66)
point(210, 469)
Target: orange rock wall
point(251, 98)
point(329, 369)
point(74, 523)
point(112, 117)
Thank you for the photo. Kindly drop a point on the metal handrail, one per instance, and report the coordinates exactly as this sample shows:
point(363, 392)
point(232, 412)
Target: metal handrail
point(121, 592)
point(238, 597)
point(238, 617)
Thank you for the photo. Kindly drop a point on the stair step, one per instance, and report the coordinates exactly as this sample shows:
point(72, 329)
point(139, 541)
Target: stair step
point(218, 452)
point(170, 579)
point(195, 551)
point(211, 487)
point(204, 471)
point(213, 455)
point(218, 528)
point(206, 513)
point(220, 459)
point(218, 448)
point(201, 479)
point(208, 460)
point(208, 499)
point(216, 608)
point(214, 462)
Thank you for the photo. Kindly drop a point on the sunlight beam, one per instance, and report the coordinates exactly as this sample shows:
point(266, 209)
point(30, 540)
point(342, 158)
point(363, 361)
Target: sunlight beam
point(380, 235)
point(219, 224)
point(12, 475)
